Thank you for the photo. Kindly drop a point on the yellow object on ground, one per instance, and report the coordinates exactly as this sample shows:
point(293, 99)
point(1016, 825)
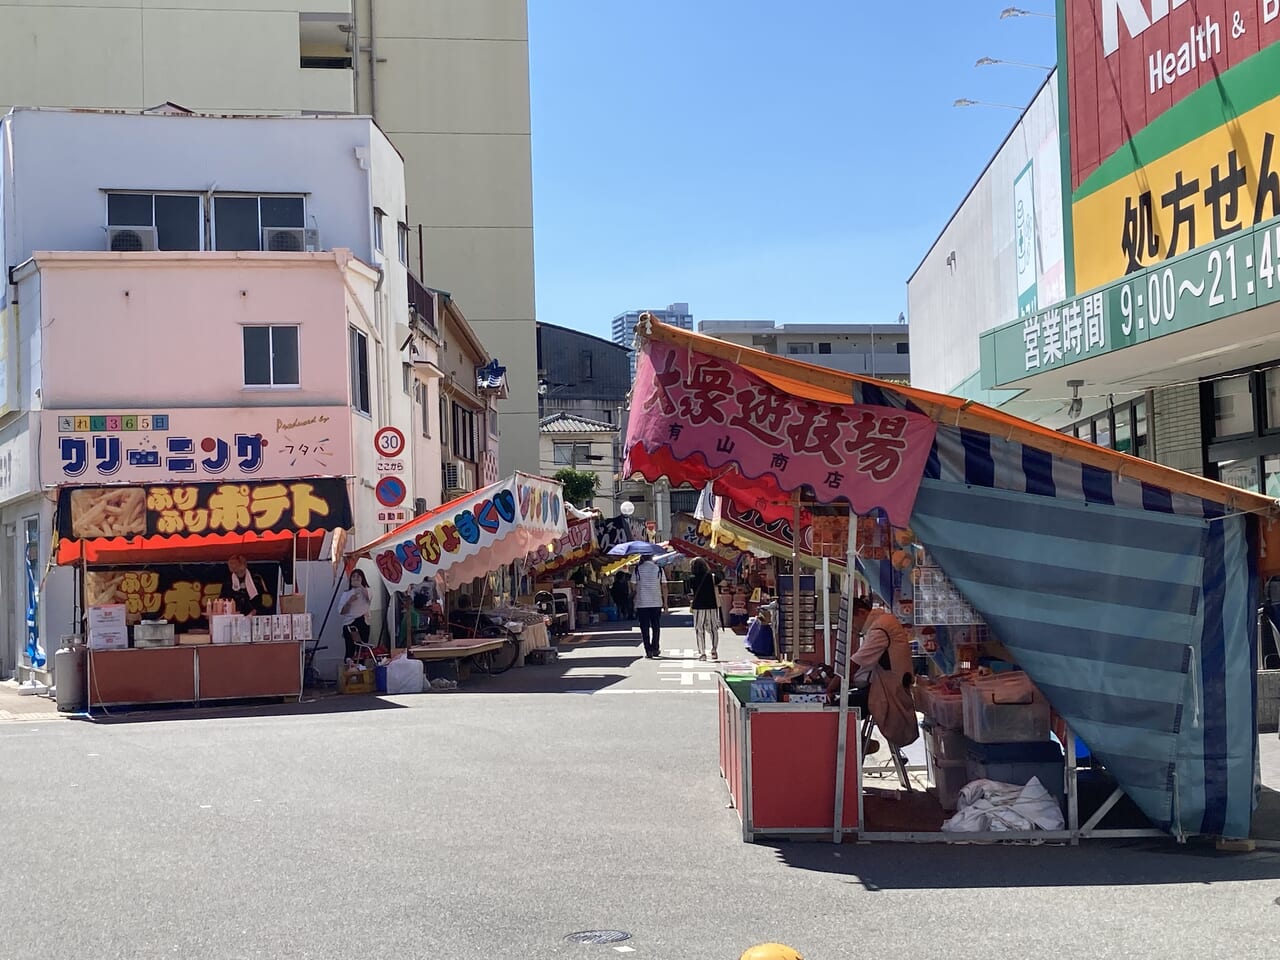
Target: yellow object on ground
point(772, 951)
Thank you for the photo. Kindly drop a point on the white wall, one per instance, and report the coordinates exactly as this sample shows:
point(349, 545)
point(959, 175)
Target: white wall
point(949, 305)
point(64, 161)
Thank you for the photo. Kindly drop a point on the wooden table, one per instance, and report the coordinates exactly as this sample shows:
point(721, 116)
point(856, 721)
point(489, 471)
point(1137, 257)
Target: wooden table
point(454, 649)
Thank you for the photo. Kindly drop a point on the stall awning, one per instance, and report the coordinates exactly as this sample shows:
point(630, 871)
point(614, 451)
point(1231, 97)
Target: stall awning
point(576, 547)
point(174, 522)
point(1126, 589)
point(471, 536)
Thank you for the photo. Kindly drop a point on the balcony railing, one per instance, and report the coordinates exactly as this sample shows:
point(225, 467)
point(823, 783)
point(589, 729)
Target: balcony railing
point(422, 303)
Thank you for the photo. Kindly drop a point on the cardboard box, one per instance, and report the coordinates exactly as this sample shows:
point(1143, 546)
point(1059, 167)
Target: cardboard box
point(292, 603)
point(194, 639)
point(260, 629)
point(222, 628)
point(244, 630)
point(108, 627)
point(302, 627)
point(281, 627)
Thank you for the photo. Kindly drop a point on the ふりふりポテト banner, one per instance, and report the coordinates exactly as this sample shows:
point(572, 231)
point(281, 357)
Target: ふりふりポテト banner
point(1173, 127)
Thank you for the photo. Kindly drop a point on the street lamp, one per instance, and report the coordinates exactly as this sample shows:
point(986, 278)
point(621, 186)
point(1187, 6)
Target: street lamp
point(966, 102)
point(993, 61)
point(1009, 12)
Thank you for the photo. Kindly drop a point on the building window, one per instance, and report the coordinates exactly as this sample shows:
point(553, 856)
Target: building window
point(322, 41)
point(424, 409)
point(161, 221)
point(464, 432)
point(585, 364)
point(824, 348)
point(493, 423)
point(402, 242)
point(1232, 407)
point(259, 223)
point(378, 217)
point(359, 359)
point(270, 356)
point(444, 423)
point(1123, 427)
point(904, 347)
point(571, 454)
point(796, 349)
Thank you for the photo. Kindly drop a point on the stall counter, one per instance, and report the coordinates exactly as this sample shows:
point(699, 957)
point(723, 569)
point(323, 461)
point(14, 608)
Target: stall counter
point(192, 674)
point(779, 761)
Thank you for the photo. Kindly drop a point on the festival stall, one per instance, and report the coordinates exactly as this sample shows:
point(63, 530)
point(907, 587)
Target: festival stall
point(152, 565)
point(466, 539)
point(1122, 593)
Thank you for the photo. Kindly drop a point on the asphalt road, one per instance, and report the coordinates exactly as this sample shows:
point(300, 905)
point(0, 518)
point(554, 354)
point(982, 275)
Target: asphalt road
point(491, 824)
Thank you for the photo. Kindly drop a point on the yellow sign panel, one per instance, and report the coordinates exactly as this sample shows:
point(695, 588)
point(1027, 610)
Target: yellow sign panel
point(1219, 184)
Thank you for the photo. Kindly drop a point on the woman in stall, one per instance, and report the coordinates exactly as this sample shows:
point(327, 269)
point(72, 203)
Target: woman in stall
point(354, 609)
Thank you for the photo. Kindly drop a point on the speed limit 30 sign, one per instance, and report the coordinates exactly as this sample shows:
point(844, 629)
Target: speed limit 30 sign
point(389, 442)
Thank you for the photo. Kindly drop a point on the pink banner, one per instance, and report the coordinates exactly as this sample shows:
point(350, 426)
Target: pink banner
point(698, 406)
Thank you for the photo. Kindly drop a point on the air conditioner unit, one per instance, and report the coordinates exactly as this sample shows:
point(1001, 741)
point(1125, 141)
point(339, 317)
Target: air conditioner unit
point(131, 239)
point(455, 474)
point(290, 240)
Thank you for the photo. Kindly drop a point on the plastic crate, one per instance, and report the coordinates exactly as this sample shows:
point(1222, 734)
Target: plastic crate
point(948, 780)
point(946, 745)
point(945, 709)
point(356, 681)
point(1017, 763)
point(1004, 709)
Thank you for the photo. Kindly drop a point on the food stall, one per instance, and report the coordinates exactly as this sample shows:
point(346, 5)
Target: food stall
point(465, 539)
point(1124, 592)
point(152, 570)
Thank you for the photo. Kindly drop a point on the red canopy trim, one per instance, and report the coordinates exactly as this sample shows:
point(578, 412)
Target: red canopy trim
point(200, 548)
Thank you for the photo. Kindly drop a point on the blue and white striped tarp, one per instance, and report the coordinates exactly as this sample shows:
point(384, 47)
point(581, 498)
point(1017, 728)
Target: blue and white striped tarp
point(1131, 607)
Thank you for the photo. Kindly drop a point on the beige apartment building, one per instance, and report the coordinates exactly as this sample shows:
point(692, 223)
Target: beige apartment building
point(447, 80)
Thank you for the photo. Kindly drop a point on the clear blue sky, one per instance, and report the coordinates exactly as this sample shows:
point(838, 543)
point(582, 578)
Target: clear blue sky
point(785, 161)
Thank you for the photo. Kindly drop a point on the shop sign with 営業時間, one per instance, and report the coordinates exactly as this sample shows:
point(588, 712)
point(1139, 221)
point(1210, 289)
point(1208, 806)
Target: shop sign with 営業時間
point(1173, 157)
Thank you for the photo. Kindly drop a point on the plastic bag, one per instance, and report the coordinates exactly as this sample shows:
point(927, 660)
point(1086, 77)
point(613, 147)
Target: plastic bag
point(404, 675)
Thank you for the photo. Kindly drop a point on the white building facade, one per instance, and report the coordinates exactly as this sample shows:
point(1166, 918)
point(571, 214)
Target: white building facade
point(447, 80)
point(225, 274)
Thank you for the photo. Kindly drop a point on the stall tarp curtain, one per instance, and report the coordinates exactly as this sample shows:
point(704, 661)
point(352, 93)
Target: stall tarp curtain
point(1129, 599)
point(471, 536)
point(577, 546)
point(693, 408)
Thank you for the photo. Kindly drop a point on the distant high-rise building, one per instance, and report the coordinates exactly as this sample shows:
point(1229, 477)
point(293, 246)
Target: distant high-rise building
point(624, 325)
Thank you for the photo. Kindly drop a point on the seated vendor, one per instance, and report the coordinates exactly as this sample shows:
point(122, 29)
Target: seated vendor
point(883, 673)
point(247, 589)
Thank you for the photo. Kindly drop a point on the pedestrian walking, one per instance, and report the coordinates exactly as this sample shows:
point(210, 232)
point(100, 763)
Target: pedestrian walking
point(651, 602)
point(706, 609)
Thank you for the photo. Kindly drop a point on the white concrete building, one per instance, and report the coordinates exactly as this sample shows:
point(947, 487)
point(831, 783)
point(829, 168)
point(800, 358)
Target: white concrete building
point(211, 269)
point(869, 349)
point(447, 80)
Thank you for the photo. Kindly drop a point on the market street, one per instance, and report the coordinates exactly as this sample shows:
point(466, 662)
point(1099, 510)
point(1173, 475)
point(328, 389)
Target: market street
point(491, 824)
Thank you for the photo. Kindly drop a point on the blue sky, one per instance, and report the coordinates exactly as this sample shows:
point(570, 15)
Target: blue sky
point(785, 161)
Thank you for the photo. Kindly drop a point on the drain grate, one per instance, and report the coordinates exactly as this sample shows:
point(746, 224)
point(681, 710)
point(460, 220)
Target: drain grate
point(598, 936)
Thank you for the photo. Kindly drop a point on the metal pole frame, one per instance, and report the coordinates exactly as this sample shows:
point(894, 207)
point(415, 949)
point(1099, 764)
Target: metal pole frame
point(842, 746)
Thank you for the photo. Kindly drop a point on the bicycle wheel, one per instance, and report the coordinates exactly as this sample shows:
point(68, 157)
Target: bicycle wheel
point(505, 657)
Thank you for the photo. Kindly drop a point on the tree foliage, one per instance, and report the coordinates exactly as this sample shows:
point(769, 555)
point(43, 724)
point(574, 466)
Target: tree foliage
point(579, 485)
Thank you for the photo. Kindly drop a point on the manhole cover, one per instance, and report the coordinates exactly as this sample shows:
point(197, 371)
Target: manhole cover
point(598, 936)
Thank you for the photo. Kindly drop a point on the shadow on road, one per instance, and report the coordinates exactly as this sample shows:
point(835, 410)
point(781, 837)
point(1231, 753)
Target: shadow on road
point(935, 866)
point(313, 704)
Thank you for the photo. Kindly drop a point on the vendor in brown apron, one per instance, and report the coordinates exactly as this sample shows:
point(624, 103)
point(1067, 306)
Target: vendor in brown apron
point(883, 673)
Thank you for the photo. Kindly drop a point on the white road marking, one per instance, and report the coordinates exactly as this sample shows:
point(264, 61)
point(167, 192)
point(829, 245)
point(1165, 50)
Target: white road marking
point(625, 949)
point(687, 679)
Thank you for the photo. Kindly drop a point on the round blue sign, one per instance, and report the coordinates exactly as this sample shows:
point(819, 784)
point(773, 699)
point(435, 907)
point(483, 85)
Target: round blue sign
point(390, 491)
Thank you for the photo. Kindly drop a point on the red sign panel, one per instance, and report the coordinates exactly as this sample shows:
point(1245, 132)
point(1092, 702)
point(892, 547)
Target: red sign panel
point(705, 409)
point(1128, 61)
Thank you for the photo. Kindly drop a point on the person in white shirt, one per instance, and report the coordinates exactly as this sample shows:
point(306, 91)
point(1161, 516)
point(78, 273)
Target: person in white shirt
point(354, 608)
point(651, 601)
